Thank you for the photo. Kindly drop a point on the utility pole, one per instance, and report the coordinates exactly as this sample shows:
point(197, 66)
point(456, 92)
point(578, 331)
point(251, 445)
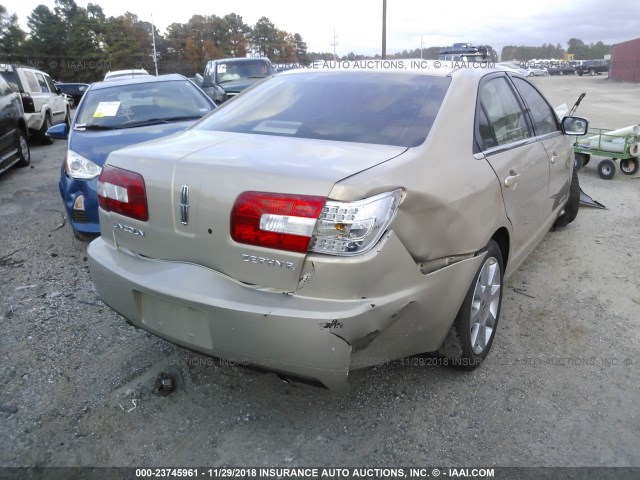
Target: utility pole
point(155, 53)
point(335, 58)
point(384, 29)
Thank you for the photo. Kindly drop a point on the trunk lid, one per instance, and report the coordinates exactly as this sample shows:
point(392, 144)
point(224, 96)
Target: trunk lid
point(216, 167)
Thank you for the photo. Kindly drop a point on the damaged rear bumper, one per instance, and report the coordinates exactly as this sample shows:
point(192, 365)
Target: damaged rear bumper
point(346, 313)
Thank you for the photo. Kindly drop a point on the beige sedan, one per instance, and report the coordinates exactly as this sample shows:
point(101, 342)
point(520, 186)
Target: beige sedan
point(325, 221)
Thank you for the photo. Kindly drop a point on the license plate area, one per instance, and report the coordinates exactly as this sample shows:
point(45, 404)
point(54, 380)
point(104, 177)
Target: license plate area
point(175, 321)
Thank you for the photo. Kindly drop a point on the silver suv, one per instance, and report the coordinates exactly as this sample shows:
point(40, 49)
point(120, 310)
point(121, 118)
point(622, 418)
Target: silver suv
point(44, 104)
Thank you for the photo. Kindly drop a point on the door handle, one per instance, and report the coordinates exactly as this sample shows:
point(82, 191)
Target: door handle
point(554, 159)
point(511, 180)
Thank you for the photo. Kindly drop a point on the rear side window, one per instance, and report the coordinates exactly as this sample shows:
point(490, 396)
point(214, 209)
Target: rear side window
point(365, 107)
point(43, 82)
point(49, 83)
point(544, 118)
point(34, 85)
point(500, 118)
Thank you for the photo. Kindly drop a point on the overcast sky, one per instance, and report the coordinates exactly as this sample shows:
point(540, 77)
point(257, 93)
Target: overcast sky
point(357, 23)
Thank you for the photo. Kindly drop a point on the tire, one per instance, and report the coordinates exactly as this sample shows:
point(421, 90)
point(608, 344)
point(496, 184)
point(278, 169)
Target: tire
point(629, 166)
point(44, 140)
point(471, 335)
point(573, 204)
point(23, 149)
point(84, 237)
point(580, 160)
point(606, 169)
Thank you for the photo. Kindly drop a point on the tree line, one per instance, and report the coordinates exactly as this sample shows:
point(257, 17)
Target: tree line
point(73, 43)
point(577, 47)
point(79, 44)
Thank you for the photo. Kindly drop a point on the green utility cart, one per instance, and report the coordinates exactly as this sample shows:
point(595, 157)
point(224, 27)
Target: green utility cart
point(622, 145)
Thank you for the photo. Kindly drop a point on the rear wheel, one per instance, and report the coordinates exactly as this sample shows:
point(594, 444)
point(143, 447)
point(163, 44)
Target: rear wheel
point(573, 204)
point(43, 130)
point(629, 166)
point(471, 335)
point(23, 150)
point(607, 169)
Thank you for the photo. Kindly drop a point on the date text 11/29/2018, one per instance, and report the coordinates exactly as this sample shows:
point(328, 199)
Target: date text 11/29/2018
point(348, 473)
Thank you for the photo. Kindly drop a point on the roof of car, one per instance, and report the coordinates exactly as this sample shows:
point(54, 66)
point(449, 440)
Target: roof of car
point(242, 59)
point(137, 80)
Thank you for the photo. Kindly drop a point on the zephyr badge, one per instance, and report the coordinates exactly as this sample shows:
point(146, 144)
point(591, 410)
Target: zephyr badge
point(184, 205)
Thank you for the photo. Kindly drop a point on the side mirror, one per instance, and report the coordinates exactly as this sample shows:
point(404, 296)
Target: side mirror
point(59, 131)
point(575, 126)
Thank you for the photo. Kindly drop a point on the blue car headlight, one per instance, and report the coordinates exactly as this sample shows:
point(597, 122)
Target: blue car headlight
point(78, 166)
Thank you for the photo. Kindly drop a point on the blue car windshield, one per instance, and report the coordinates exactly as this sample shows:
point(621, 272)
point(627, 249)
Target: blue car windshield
point(364, 107)
point(136, 104)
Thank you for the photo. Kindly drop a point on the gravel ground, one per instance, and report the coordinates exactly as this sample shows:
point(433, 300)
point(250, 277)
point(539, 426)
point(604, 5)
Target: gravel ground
point(560, 388)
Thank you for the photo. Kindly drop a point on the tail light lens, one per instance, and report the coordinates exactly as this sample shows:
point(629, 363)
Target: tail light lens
point(123, 192)
point(352, 228)
point(300, 223)
point(283, 222)
point(27, 103)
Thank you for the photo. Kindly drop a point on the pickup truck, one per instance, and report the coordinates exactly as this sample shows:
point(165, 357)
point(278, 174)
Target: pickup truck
point(226, 77)
point(592, 67)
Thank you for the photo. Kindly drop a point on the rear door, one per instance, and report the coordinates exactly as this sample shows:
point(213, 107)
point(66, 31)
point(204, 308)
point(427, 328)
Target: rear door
point(57, 101)
point(505, 138)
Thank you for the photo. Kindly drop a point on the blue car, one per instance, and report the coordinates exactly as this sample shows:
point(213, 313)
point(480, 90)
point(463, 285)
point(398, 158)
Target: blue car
point(116, 114)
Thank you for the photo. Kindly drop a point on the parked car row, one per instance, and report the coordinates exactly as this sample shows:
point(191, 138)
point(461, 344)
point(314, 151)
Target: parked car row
point(523, 69)
point(43, 103)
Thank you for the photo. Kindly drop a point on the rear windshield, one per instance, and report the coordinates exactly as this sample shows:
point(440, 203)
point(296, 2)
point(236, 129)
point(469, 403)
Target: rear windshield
point(365, 107)
point(12, 79)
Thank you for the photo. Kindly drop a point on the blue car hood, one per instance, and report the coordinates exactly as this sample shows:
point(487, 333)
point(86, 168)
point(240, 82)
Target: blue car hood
point(96, 145)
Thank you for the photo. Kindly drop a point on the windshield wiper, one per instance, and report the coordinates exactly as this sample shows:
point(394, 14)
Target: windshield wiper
point(158, 121)
point(84, 126)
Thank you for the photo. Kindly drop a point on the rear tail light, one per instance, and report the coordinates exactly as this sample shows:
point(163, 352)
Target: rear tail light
point(300, 223)
point(27, 103)
point(123, 192)
point(352, 228)
point(283, 222)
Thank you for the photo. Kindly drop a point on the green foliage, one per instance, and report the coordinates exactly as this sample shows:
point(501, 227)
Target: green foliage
point(577, 47)
point(12, 38)
point(73, 43)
